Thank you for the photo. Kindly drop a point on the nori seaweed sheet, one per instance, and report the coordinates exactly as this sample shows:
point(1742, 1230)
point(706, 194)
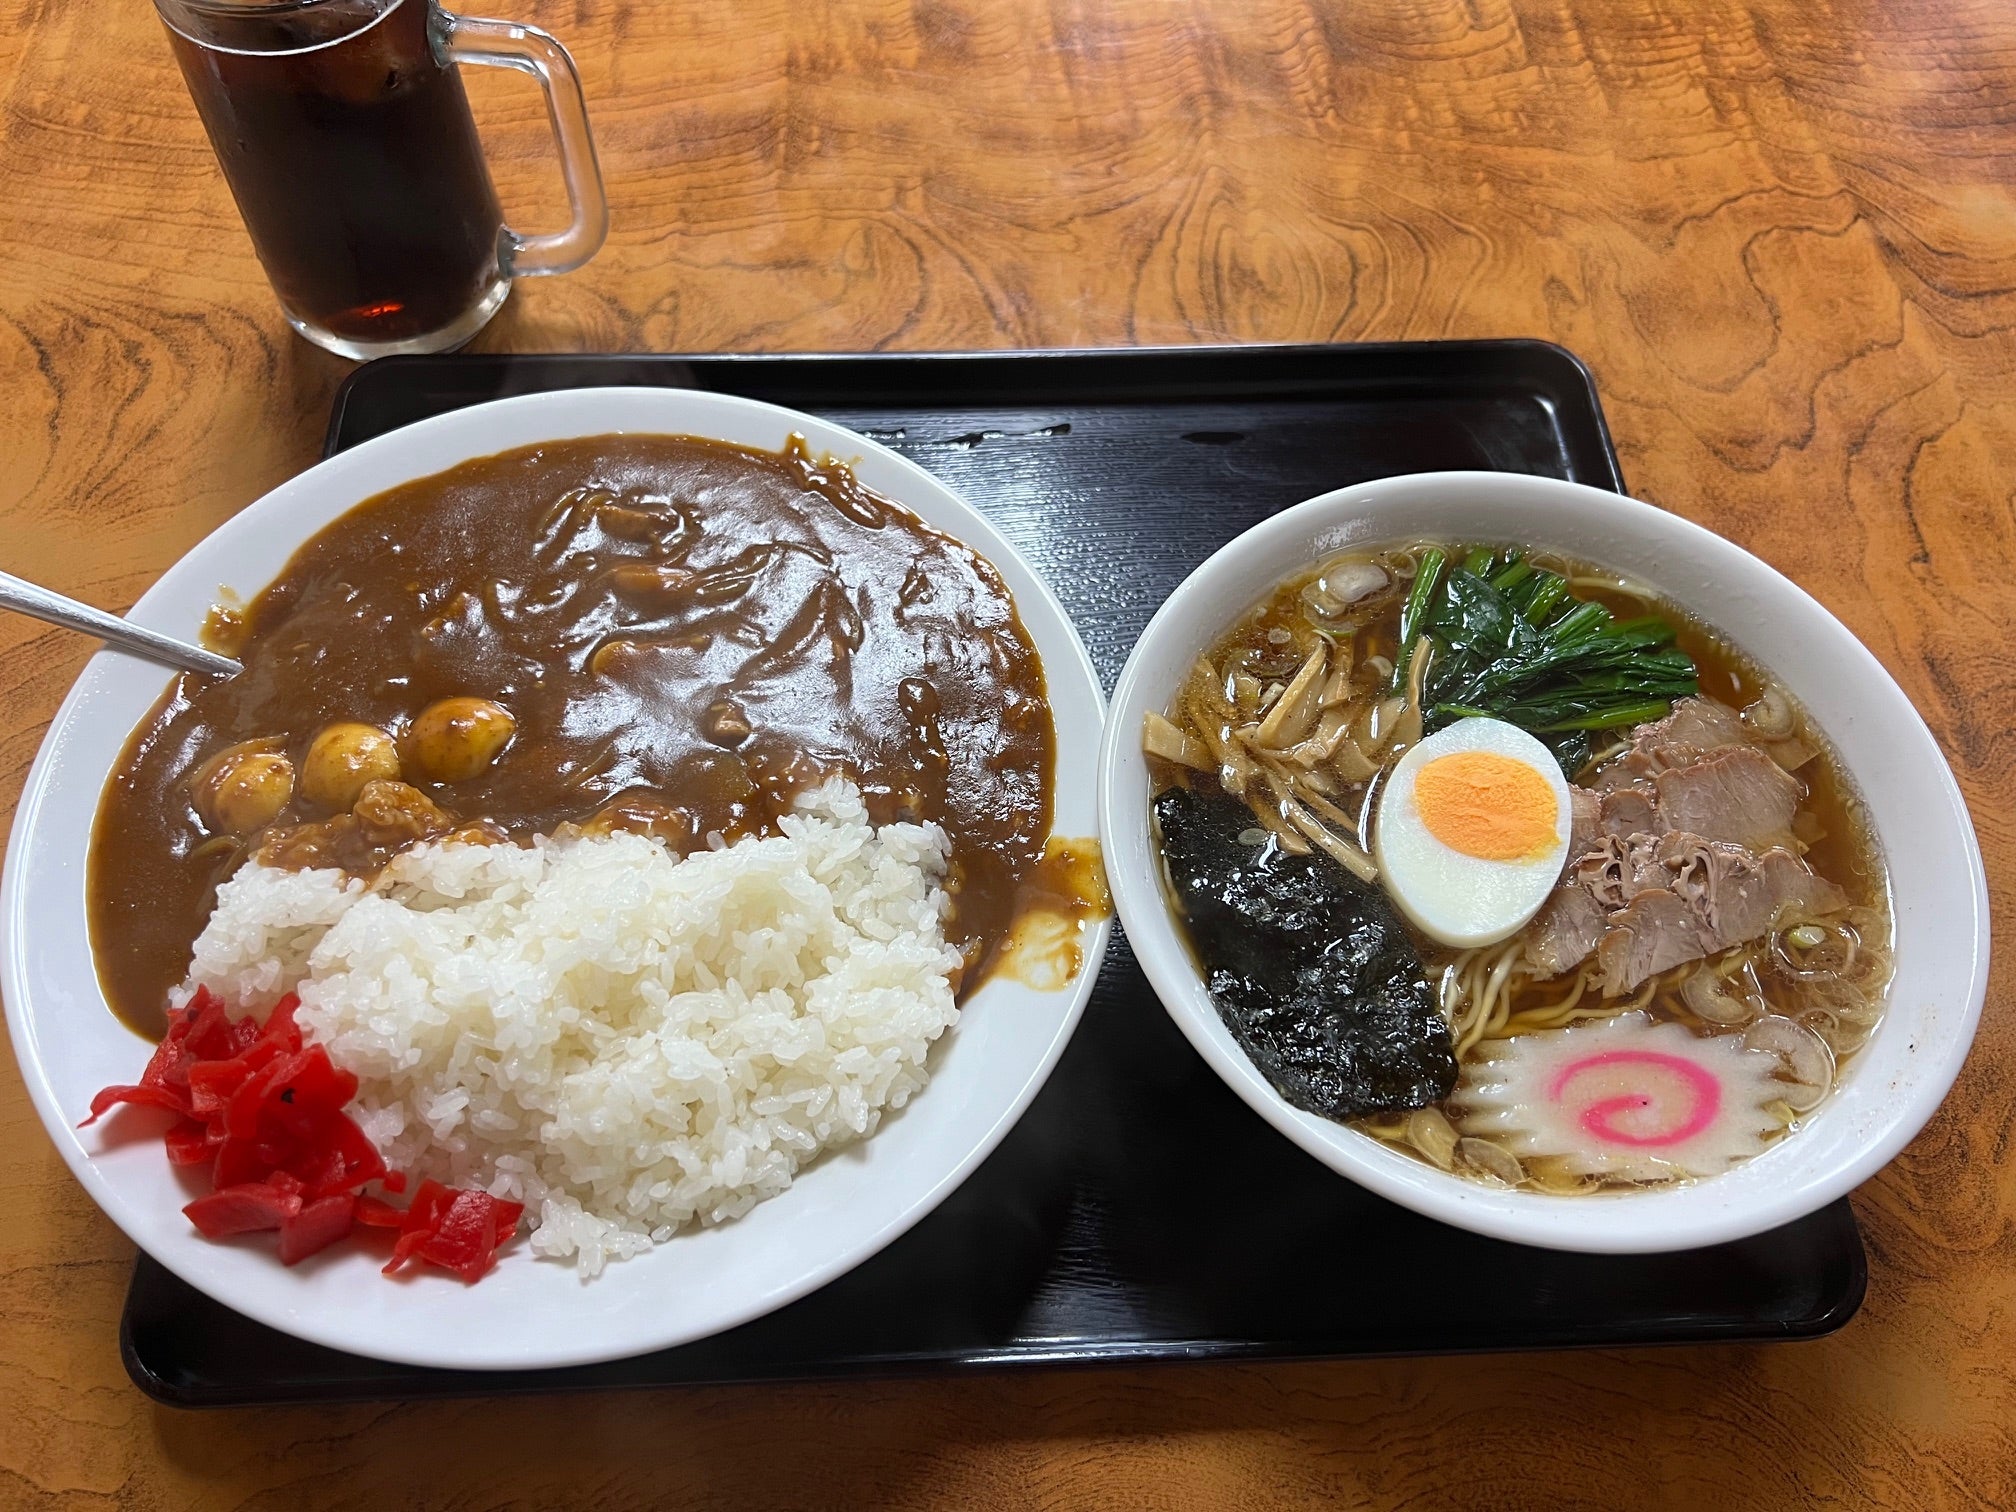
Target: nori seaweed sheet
point(1311, 969)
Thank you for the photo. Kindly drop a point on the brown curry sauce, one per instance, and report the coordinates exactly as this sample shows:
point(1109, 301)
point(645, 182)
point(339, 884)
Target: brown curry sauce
point(687, 633)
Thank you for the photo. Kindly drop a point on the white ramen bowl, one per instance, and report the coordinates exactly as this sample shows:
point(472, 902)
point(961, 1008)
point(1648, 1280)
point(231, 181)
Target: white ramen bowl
point(1887, 1090)
point(526, 1313)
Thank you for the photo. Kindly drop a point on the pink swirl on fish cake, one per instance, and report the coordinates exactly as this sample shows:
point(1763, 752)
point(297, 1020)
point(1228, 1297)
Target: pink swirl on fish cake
point(1600, 1119)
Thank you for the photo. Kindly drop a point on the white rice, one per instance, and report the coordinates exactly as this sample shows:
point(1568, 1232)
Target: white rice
point(625, 1041)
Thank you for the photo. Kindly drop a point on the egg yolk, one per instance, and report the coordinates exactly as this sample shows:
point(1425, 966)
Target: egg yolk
point(1486, 805)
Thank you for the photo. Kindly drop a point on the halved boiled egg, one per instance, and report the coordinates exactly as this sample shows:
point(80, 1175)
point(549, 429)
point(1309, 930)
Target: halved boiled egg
point(1472, 831)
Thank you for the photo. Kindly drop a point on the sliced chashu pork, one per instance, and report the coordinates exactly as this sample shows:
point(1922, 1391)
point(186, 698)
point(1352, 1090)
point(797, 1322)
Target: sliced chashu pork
point(1735, 793)
point(1569, 925)
point(1650, 902)
point(1691, 852)
point(1712, 895)
point(1696, 727)
point(1738, 795)
point(1585, 822)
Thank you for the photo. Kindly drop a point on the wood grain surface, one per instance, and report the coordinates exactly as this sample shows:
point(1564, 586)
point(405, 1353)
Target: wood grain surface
point(1782, 233)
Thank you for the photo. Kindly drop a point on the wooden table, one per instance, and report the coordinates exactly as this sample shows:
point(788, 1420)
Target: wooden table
point(1784, 236)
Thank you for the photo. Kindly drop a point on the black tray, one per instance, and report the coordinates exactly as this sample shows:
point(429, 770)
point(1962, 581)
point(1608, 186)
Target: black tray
point(1139, 1211)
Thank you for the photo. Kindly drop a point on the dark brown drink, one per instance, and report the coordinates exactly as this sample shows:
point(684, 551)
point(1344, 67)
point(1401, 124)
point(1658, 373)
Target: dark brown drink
point(349, 146)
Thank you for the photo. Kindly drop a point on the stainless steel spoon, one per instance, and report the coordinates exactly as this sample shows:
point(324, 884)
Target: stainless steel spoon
point(40, 603)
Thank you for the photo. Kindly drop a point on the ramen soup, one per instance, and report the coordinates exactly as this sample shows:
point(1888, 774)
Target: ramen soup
point(659, 634)
point(1510, 864)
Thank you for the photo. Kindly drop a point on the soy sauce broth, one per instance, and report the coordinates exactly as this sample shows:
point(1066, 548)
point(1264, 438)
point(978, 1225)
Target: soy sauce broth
point(1272, 639)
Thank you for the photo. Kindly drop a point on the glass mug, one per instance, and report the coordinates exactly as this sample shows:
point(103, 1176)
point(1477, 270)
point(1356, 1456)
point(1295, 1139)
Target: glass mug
point(346, 138)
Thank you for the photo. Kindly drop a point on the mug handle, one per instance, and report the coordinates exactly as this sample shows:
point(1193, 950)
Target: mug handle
point(509, 44)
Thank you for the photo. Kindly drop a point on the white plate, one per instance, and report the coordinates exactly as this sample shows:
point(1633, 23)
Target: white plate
point(526, 1313)
point(1939, 893)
